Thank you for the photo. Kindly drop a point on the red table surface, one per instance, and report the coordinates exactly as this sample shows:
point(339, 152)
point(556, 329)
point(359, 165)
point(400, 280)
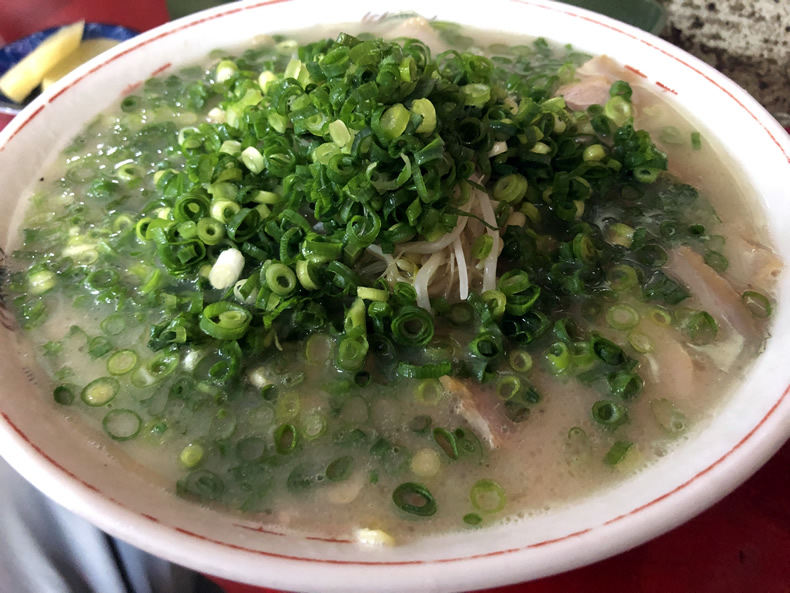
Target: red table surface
point(740, 545)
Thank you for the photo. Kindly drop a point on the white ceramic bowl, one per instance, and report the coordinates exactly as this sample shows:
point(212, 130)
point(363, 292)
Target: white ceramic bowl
point(76, 467)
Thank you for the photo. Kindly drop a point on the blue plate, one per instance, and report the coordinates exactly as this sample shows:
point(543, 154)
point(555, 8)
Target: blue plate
point(15, 51)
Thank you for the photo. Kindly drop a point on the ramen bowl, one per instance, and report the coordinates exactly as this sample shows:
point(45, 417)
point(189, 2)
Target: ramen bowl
point(86, 472)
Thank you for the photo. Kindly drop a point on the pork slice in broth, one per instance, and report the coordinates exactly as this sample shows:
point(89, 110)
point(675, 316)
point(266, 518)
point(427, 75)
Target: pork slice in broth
point(480, 408)
point(595, 77)
point(669, 363)
point(714, 293)
point(579, 95)
point(750, 263)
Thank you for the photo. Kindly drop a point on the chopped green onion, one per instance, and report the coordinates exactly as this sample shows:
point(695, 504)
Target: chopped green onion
point(202, 484)
point(355, 317)
point(285, 438)
point(620, 234)
point(64, 394)
point(122, 362)
point(659, 316)
point(303, 273)
point(99, 346)
point(461, 314)
point(482, 246)
point(476, 94)
point(252, 159)
point(622, 317)
point(651, 255)
point(339, 133)
point(130, 103)
point(496, 302)
point(640, 342)
point(122, 424)
point(609, 414)
point(412, 326)
point(414, 499)
point(513, 282)
point(668, 416)
point(558, 358)
point(446, 441)
point(114, 324)
point(40, 282)
point(351, 352)
point(243, 225)
point(697, 230)
point(594, 153)
point(487, 346)
point(426, 463)
point(225, 70)
point(621, 88)
point(225, 320)
point(510, 188)
point(313, 425)
point(340, 468)
point(373, 294)
point(324, 153)
point(758, 304)
point(608, 351)
point(267, 197)
point(232, 147)
point(191, 455)
point(101, 279)
point(429, 391)
point(318, 348)
point(582, 355)
point(392, 122)
point(487, 496)
point(129, 173)
point(520, 361)
point(700, 327)
point(294, 69)
point(617, 453)
point(280, 279)
point(152, 282)
point(424, 108)
point(646, 174)
point(619, 110)
point(508, 386)
point(100, 392)
point(161, 365)
point(541, 148)
point(624, 384)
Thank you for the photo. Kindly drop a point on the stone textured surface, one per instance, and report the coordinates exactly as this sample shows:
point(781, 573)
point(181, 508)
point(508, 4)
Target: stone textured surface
point(748, 40)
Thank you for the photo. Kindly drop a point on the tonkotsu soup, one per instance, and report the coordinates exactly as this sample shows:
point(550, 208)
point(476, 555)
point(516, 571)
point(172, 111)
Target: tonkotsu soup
point(374, 287)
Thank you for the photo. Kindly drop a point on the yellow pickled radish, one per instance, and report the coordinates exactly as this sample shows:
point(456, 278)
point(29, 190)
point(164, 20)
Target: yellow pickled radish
point(19, 81)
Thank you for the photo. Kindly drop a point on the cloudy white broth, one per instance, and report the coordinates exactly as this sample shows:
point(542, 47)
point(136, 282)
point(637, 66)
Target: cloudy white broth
point(379, 287)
